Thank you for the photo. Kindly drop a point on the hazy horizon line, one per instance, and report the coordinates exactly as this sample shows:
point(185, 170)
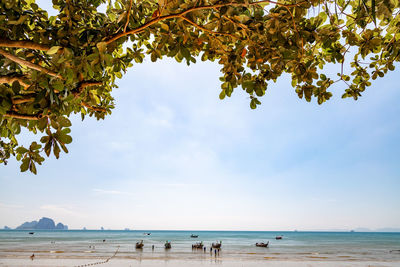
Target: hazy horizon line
point(380, 230)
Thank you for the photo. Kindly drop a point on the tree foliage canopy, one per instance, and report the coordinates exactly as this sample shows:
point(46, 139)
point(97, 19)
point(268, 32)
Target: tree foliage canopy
point(51, 67)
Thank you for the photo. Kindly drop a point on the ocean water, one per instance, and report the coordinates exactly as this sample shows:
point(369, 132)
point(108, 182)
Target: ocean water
point(236, 245)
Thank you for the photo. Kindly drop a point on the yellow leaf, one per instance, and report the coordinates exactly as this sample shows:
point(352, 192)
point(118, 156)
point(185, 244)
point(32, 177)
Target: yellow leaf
point(164, 26)
point(53, 50)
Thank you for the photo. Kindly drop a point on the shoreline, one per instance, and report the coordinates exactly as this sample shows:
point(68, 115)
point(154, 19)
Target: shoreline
point(69, 262)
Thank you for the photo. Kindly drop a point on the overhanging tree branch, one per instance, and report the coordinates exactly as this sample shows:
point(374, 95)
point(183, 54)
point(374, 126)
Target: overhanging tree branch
point(254, 42)
point(76, 93)
point(180, 14)
point(29, 64)
point(11, 79)
point(23, 44)
point(21, 116)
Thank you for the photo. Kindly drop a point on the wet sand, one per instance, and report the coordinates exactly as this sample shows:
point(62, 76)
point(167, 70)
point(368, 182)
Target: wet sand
point(192, 263)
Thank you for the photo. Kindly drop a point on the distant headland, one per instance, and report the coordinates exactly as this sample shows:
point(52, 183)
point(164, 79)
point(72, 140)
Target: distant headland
point(42, 224)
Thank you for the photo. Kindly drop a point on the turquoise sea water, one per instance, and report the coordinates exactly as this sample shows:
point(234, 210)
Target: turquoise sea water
point(347, 246)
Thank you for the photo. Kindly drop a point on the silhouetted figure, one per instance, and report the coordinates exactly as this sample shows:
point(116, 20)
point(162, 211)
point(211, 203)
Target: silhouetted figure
point(204, 249)
point(152, 247)
point(104, 240)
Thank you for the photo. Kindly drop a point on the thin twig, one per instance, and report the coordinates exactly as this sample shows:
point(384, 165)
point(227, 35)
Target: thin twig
point(83, 85)
point(127, 17)
point(98, 109)
point(206, 30)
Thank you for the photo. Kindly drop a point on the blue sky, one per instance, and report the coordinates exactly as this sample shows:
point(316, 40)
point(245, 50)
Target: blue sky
point(174, 156)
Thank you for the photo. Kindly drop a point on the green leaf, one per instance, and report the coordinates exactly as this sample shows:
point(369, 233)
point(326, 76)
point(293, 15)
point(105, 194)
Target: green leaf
point(64, 138)
point(64, 148)
point(42, 123)
point(25, 165)
point(253, 104)
point(21, 150)
point(47, 148)
point(56, 150)
point(32, 167)
point(222, 95)
point(35, 146)
point(44, 139)
point(64, 122)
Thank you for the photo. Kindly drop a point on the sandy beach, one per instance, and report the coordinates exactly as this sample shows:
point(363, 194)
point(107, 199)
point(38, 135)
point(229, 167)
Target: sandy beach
point(192, 263)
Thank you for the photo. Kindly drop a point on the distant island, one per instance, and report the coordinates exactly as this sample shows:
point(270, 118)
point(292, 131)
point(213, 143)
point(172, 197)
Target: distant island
point(42, 224)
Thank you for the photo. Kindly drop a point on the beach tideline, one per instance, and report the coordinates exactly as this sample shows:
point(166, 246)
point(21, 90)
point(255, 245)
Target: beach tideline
point(191, 263)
